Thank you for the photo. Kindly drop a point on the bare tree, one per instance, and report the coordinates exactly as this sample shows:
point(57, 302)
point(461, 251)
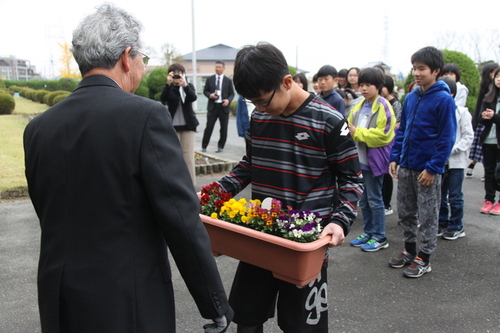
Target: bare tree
point(170, 54)
point(481, 46)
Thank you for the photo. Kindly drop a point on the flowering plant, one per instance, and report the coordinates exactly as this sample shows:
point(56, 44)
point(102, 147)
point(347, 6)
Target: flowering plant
point(267, 216)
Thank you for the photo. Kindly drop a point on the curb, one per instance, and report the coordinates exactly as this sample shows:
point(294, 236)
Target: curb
point(220, 165)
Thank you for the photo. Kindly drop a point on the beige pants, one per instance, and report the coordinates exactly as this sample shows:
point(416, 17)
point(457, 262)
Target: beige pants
point(187, 139)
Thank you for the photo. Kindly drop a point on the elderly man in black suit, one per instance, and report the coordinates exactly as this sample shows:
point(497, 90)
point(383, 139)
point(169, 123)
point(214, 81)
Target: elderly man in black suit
point(220, 92)
point(111, 189)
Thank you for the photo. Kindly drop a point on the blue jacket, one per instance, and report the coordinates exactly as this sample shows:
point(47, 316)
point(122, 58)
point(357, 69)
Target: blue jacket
point(427, 130)
point(334, 99)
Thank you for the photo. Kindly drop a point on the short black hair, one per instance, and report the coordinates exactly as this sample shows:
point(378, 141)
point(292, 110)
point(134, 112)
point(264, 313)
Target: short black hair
point(315, 78)
point(220, 62)
point(373, 76)
point(431, 57)
point(451, 68)
point(451, 84)
point(302, 79)
point(328, 70)
point(258, 68)
point(389, 83)
point(343, 72)
point(342, 93)
point(176, 67)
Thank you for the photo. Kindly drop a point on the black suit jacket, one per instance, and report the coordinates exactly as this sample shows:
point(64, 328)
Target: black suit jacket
point(109, 184)
point(172, 97)
point(227, 91)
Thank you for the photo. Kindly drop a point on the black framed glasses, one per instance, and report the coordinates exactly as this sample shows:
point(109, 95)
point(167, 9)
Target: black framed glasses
point(145, 59)
point(266, 103)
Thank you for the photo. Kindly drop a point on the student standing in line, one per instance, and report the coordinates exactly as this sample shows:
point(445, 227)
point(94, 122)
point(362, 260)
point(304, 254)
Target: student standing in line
point(490, 143)
point(371, 124)
point(451, 211)
point(421, 149)
point(327, 80)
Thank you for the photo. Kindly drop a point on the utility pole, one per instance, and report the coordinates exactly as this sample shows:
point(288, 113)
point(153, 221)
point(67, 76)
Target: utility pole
point(193, 58)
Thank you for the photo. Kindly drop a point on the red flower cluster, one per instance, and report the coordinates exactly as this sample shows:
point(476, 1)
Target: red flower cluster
point(213, 198)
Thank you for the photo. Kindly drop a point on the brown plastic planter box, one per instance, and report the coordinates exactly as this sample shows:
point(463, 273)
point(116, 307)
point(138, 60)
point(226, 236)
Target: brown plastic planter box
point(293, 262)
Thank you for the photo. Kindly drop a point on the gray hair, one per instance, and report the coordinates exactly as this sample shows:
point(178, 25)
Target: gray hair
point(101, 38)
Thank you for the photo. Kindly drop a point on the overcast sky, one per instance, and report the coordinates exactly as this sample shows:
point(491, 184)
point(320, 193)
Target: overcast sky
point(310, 34)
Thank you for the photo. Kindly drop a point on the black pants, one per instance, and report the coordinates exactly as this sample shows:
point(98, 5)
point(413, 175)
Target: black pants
point(216, 113)
point(387, 189)
point(491, 155)
point(300, 309)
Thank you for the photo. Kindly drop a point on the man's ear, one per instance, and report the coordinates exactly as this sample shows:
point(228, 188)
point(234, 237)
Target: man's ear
point(126, 59)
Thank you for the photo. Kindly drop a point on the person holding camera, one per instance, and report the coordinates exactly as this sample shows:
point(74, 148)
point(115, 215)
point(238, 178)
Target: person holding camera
point(179, 97)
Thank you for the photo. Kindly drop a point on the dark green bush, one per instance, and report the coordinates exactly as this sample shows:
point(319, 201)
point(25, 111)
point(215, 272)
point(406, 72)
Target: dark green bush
point(27, 93)
point(67, 84)
point(7, 103)
point(60, 97)
point(49, 98)
point(469, 75)
point(40, 94)
point(50, 85)
point(156, 81)
point(14, 88)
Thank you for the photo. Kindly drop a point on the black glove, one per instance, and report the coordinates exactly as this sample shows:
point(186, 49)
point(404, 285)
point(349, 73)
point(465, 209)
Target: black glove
point(218, 326)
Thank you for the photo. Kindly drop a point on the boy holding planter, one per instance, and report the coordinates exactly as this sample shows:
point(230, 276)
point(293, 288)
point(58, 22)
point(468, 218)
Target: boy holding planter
point(298, 150)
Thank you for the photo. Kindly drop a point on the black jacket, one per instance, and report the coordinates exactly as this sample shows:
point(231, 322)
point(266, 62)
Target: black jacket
point(107, 179)
point(172, 97)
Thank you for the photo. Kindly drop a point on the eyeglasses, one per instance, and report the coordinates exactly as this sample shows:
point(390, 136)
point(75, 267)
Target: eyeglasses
point(268, 102)
point(145, 59)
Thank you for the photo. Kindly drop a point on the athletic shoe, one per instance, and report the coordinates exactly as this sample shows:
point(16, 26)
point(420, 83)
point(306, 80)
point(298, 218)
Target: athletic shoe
point(389, 211)
point(360, 240)
point(417, 268)
point(495, 210)
point(440, 231)
point(453, 234)
point(374, 245)
point(469, 171)
point(404, 258)
point(486, 209)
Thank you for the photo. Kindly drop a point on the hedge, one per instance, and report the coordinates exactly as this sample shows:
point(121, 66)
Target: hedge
point(40, 94)
point(7, 103)
point(60, 97)
point(49, 98)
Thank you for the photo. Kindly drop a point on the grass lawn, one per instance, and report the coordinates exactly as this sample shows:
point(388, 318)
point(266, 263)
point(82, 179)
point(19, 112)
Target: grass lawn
point(26, 106)
point(11, 151)
point(11, 143)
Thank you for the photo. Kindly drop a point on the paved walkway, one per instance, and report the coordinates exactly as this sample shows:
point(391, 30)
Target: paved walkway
point(461, 294)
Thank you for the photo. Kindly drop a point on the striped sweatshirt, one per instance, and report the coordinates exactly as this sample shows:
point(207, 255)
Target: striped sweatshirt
point(307, 160)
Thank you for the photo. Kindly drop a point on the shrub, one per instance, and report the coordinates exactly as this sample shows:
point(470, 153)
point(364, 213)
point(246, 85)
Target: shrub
point(469, 75)
point(49, 98)
point(14, 88)
point(60, 97)
point(156, 81)
point(67, 84)
point(2, 84)
point(7, 103)
point(40, 94)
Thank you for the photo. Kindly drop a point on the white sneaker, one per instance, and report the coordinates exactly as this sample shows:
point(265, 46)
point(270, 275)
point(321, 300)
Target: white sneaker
point(389, 211)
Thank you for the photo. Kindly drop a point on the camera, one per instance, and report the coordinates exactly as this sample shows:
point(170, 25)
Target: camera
point(176, 76)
